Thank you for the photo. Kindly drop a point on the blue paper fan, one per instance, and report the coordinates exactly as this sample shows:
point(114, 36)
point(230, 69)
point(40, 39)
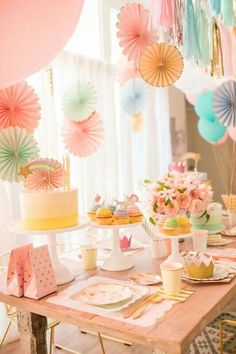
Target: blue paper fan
point(224, 103)
point(134, 96)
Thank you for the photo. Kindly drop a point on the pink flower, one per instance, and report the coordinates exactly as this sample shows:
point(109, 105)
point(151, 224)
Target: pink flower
point(197, 206)
point(183, 201)
point(172, 208)
point(161, 202)
point(194, 193)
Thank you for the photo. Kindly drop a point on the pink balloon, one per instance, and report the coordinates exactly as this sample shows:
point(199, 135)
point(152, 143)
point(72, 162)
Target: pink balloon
point(232, 133)
point(32, 33)
point(222, 140)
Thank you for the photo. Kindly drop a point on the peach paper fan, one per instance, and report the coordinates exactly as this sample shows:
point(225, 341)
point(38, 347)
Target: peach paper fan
point(83, 138)
point(161, 64)
point(43, 174)
point(44, 180)
point(19, 107)
point(134, 32)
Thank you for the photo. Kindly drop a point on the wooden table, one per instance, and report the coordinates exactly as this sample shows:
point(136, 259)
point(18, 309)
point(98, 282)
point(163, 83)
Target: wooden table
point(172, 333)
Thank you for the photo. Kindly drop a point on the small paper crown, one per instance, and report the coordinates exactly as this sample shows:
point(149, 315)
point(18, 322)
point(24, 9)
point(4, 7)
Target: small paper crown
point(201, 266)
point(125, 242)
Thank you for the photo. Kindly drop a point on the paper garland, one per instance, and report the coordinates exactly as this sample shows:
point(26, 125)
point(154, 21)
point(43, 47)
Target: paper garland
point(17, 147)
point(80, 101)
point(19, 106)
point(224, 103)
point(83, 138)
point(134, 96)
point(161, 64)
point(133, 31)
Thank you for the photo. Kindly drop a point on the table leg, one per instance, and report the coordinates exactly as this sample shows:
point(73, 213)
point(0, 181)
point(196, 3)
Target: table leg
point(32, 329)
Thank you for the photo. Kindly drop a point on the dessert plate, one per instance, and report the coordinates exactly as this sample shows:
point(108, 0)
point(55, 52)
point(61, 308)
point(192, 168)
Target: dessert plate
point(219, 273)
point(103, 294)
point(145, 278)
point(229, 232)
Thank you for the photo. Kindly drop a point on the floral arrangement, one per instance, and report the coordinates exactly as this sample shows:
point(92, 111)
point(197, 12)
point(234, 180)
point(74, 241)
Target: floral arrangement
point(175, 193)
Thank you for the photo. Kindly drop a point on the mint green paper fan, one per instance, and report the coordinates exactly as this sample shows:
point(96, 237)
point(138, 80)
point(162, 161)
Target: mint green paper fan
point(80, 101)
point(17, 147)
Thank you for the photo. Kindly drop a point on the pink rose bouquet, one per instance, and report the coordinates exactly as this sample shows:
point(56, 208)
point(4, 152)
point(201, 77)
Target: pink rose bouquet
point(175, 193)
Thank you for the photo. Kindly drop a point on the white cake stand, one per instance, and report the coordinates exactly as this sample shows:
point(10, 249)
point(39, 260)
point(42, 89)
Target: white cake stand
point(175, 255)
point(116, 261)
point(62, 272)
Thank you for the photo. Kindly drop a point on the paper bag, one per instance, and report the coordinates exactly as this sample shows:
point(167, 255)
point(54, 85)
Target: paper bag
point(15, 273)
point(39, 277)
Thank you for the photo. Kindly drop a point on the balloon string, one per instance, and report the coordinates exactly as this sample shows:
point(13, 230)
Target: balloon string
point(232, 172)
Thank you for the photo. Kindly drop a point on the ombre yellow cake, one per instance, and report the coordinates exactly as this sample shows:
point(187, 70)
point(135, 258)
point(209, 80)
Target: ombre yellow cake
point(47, 210)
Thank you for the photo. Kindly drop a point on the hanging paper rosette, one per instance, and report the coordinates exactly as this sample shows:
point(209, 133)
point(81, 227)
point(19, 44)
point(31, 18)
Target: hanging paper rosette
point(134, 96)
point(224, 103)
point(127, 71)
point(80, 101)
point(161, 64)
point(134, 32)
point(19, 107)
point(17, 147)
point(83, 138)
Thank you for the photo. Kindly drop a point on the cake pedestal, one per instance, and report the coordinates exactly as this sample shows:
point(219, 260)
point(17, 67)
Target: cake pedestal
point(116, 261)
point(175, 255)
point(62, 272)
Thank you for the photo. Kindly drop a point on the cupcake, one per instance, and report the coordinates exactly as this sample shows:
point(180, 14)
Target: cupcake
point(104, 216)
point(171, 226)
point(134, 213)
point(92, 212)
point(112, 207)
point(161, 221)
point(184, 224)
point(121, 216)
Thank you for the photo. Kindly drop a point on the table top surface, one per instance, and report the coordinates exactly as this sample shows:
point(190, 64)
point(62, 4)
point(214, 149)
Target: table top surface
point(172, 333)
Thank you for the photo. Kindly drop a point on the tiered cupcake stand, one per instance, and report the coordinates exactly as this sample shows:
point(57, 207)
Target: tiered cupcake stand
point(62, 272)
point(175, 255)
point(116, 261)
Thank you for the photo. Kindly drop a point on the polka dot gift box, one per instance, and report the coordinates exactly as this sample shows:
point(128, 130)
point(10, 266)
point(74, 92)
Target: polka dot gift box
point(39, 277)
point(16, 266)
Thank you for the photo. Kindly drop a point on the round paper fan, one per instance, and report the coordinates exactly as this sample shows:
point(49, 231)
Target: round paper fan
point(19, 106)
point(45, 180)
point(43, 173)
point(134, 32)
point(134, 96)
point(80, 101)
point(83, 138)
point(224, 103)
point(127, 71)
point(161, 64)
point(17, 147)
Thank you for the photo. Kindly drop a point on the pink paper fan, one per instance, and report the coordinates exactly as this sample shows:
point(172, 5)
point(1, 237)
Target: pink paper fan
point(44, 180)
point(83, 138)
point(19, 106)
point(127, 71)
point(134, 32)
point(43, 174)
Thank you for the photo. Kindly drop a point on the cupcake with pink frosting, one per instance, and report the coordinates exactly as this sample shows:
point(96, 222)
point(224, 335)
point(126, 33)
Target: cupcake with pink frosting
point(121, 215)
point(134, 213)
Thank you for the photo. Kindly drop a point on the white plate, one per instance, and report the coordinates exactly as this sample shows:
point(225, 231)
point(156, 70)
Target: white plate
point(219, 273)
point(229, 232)
point(104, 294)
